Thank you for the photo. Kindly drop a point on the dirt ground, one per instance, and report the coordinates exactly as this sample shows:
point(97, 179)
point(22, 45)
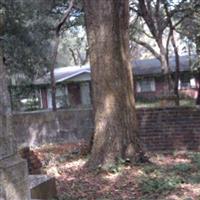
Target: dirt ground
point(169, 176)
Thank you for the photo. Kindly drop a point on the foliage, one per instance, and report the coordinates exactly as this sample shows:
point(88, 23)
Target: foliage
point(182, 167)
point(167, 175)
point(30, 28)
point(195, 158)
point(28, 31)
point(158, 184)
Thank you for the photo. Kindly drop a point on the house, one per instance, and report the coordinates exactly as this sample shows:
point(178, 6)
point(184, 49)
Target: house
point(149, 80)
point(74, 83)
point(73, 87)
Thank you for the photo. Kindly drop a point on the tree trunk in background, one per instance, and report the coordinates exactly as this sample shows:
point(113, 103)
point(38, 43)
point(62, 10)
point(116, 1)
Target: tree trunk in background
point(116, 129)
point(198, 96)
point(198, 75)
point(168, 84)
point(52, 75)
point(177, 71)
point(55, 53)
point(177, 61)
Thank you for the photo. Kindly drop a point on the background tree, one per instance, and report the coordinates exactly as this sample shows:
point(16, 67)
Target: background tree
point(116, 130)
point(32, 33)
point(55, 52)
point(190, 29)
point(154, 19)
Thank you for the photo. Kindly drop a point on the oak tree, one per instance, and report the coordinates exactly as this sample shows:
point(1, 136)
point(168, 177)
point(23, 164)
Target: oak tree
point(116, 129)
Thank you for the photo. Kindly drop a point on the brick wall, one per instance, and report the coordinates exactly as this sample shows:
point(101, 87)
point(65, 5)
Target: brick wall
point(160, 128)
point(170, 128)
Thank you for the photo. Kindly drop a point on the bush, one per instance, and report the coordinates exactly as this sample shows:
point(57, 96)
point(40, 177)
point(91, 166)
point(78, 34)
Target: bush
point(150, 185)
point(195, 158)
point(182, 167)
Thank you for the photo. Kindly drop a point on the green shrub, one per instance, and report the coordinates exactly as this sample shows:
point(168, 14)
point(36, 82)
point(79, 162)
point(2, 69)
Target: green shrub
point(150, 185)
point(150, 169)
point(194, 179)
point(195, 158)
point(182, 167)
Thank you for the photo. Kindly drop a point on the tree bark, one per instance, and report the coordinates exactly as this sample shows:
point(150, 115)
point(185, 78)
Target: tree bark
point(177, 61)
point(73, 56)
point(116, 129)
point(52, 75)
point(177, 71)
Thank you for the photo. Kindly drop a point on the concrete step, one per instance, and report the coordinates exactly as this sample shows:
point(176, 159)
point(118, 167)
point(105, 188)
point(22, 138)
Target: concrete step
point(42, 187)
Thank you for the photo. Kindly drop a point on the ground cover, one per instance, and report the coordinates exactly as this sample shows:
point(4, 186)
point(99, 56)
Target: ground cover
point(168, 176)
point(157, 103)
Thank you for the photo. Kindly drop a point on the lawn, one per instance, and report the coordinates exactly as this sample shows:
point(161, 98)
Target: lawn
point(157, 103)
point(168, 176)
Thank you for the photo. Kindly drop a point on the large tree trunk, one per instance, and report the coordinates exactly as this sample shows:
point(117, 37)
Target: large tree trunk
point(116, 130)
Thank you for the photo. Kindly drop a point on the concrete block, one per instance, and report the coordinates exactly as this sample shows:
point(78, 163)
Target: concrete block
point(42, 187)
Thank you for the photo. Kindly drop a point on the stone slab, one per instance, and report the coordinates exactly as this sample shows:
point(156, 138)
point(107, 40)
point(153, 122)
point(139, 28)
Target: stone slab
point(13, 179)
point(42, 187)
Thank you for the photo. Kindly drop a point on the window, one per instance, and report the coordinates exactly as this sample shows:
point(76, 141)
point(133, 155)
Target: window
point(187, 83)
point(146, 85)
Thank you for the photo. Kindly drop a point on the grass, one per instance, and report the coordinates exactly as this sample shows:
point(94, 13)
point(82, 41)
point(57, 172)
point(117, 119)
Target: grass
point(156, 103)
point(174, 176)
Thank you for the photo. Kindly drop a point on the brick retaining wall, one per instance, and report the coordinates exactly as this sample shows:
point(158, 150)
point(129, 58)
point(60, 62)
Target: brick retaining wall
point(160, 128)
point(170, 128)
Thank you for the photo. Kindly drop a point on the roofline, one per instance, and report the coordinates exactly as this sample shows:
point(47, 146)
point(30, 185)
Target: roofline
point(73, 75)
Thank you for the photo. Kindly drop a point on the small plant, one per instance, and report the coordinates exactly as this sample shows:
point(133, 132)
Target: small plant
point(195, 158)
point(182, 167)
point(150, 169)
point(194, 179)
point(150, 185)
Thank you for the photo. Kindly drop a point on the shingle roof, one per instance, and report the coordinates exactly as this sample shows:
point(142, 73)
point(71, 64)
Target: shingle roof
point(140, 68)
point(153, 66)
point(63, 73)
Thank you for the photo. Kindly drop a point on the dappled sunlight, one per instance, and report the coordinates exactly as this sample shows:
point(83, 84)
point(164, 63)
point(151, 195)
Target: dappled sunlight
point(168, 176)
point(185, 191)
point(74, 165)
point(33, 135)
point(107, 110)
point(37, 134)
point(111, 177)
point(167, 160)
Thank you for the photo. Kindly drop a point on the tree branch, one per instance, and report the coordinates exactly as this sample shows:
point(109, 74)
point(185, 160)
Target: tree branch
point(63, 20)
point(147, 46)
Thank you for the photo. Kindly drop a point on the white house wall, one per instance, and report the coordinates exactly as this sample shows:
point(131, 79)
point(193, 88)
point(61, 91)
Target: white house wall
point(85, 93)
point(80, 78)
point(49, 98)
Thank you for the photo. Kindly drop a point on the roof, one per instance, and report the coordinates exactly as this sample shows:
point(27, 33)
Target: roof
point(153, 66)
point(140, 68)
point(63, 73)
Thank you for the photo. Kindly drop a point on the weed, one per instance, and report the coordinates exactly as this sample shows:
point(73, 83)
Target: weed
point(194, 179)
point(150, 185)
point(195, 158)
point(182, 167)
point(150, 169)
